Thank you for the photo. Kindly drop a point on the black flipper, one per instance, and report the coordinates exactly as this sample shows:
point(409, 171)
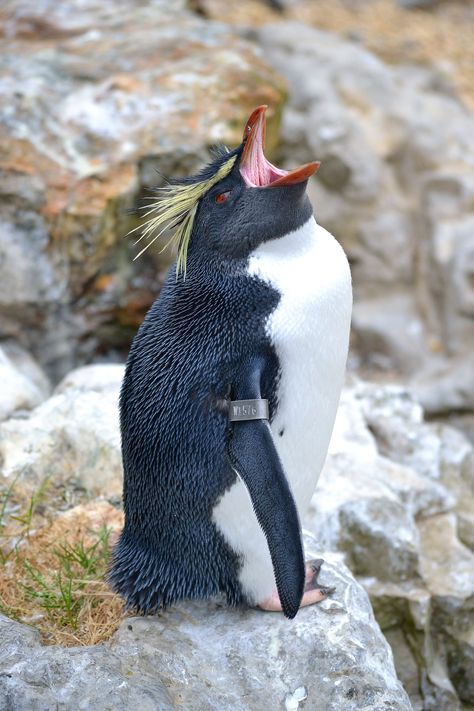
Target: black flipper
point(253, 456)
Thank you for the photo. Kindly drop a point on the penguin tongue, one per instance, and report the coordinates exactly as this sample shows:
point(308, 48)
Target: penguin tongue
point(255, 169)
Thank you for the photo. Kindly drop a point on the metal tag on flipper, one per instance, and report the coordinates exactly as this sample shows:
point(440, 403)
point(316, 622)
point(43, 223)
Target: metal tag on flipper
point(248, 410)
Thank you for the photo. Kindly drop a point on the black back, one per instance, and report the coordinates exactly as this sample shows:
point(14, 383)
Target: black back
point(179, 378)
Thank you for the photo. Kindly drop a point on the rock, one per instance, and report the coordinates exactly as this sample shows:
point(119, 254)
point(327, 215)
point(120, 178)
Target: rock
point(34, 677)
point(396, 188)
point(93, 98)
point(451, 251)
point(395, 499)
point(380, 538)
point(366, 504)
point(396, 496)
point(414, 4)
point(95, 378)
point(445, 386)
point(405, 614)
point(395, 344)
point(204, 655)
point(448, 567)
point(436, 451)
point(73, 436)
point(23, 383)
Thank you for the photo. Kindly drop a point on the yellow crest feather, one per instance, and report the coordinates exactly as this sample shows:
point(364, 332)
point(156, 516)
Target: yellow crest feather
point(176, 209)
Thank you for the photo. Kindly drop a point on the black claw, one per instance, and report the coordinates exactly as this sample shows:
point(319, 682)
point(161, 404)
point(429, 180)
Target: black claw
point(313, 584)
point(315, 565)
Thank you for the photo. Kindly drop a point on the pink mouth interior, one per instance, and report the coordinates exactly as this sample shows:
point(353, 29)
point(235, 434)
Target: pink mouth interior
point(257, 171)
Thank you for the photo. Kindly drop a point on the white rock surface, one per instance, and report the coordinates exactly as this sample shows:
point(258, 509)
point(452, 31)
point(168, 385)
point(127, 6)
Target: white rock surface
point(397, 497)
point(199, 656)
point(93, 378)
point(72, 436)
point(23, 385)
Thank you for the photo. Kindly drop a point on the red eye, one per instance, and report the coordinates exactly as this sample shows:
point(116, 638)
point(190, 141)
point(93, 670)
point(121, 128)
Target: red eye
point(222, 197)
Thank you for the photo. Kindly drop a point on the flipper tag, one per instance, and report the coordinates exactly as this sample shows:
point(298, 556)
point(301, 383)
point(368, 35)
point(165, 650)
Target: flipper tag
point(248, 410)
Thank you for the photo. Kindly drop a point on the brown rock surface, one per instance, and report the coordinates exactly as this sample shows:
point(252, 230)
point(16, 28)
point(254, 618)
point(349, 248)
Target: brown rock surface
point(92, 96)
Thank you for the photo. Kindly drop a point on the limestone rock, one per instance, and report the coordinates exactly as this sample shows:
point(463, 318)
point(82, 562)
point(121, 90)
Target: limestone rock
point(34, 678)
point(203, 655)
point(448, 569)
point(93, 98)
point(396, 188)
point(396, 497)
point(95, 378)
point(390, 344)
point(366, 504)
point(380, 538)
point(23, 383)
point(443, 386)
point(72, 436)
point(436, 451)
point(413, 4)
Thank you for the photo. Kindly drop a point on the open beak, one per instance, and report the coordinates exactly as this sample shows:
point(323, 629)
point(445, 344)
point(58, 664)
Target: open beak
point(255, 169)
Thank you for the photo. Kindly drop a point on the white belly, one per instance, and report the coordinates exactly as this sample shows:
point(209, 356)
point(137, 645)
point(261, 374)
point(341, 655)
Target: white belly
point(310, 332)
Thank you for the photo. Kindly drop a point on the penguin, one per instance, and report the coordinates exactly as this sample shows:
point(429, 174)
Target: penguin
point(231, 389)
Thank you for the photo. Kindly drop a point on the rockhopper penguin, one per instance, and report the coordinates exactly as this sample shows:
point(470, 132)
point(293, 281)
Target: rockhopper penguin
point(256, 309)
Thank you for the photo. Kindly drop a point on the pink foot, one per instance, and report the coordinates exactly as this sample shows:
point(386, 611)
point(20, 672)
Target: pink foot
point(313, 592)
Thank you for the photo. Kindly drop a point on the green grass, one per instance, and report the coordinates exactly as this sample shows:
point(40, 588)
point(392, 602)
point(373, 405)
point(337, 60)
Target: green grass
point(24, 518)
point(60, 594)
point(53, 569)
point(36, 498)
point(5, 497)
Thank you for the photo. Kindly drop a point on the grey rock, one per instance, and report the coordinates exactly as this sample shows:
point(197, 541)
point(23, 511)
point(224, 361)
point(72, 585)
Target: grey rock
point(203, 655)
point(96, 378)
point(448, 567)
point(396, 188)
point(397, 343)
point(413, 4)
point(359, 469)
point(396, 497)
point(452, 265)
point(443, 386)
point(380, 539)
point(423, 596)
point(93, 98)
point(23, 384)
point(73, 436)
point(405, 612)
point(37, 678)
point(436, 451)
point(26, 268)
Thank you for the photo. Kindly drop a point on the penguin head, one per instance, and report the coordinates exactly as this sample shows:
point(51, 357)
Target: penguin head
point(234, 204)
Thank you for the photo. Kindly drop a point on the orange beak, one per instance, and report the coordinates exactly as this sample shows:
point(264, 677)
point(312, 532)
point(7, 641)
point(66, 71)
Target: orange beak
point(255, 169)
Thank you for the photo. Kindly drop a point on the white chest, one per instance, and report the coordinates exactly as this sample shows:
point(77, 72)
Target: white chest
point(309, 330)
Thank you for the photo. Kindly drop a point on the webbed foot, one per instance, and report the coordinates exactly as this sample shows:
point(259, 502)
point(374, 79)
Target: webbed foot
point(313, 592)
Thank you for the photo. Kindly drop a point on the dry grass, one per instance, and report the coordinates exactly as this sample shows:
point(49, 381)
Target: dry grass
point(52, 569)
point(441, 36)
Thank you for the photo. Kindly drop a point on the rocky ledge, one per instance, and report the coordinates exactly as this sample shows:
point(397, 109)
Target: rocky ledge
point(206, 656)
point(395, 503)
